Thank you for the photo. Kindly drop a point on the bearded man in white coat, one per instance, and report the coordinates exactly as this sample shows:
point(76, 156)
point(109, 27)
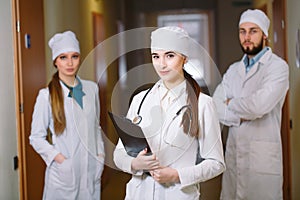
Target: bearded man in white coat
point(249, 100)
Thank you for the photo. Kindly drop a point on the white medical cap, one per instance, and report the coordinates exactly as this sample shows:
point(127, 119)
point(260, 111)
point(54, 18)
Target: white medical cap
point(257, 17)
point(62, 43)
point(170, 38)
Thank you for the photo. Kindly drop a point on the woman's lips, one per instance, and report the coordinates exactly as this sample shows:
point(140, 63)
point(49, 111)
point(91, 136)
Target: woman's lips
point(164, 72)
point(70, 70)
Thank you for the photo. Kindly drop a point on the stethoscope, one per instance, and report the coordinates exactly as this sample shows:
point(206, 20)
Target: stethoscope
point(138, 118)
point(189, 111)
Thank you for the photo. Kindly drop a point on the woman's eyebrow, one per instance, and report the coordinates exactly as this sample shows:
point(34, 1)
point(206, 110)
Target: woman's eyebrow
point(169, 52)
point(251, 28)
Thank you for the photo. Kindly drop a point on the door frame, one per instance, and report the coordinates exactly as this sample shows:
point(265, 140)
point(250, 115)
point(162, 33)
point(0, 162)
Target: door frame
point(19, 100)
point(30, 76)
point(280, 48)
point(276, 10)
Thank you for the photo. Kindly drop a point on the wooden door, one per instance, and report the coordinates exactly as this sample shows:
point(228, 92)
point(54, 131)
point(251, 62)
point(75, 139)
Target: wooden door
point(31, 76)
point(279, 47)
point(98, 37)
point(101, 78)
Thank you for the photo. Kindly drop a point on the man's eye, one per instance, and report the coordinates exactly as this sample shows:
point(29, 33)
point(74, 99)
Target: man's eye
point(155, 57)
point(242, 32)
point(253, 31)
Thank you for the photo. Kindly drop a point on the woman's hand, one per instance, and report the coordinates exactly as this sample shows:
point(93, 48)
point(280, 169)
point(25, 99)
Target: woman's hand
point(165, 175)
point(59, 158)
point(144, 162)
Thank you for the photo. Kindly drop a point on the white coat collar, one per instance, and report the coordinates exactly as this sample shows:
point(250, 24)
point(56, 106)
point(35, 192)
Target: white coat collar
point(261, 62)
point(172, 94)
point(65, 89)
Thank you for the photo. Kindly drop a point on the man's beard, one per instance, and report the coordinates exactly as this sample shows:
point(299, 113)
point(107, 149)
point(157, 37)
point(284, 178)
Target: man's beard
point(255, 50)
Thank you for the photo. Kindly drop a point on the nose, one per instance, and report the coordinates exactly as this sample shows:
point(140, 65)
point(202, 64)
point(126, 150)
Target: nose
point(162, 62)
point(70, 61)
point(247, 35)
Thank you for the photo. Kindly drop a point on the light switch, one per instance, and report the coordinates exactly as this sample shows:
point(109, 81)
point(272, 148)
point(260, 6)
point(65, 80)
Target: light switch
point(27, 41)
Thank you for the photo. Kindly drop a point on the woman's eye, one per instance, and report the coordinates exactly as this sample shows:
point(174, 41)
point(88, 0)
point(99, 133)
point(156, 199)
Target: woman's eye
point(170, 55)
point(155, 57)
point(75, 56)
point(62, 57)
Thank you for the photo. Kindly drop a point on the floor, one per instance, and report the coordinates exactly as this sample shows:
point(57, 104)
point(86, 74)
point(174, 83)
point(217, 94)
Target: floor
point(114, 183)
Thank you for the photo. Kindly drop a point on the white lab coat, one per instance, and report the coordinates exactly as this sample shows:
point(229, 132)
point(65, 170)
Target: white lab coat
point(253, 153)
point(78, 177)
point(176, 150)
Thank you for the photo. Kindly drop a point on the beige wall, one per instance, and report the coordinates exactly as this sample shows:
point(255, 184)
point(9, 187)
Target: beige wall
point(228, 48)
point(293, 23)
point(8, 133)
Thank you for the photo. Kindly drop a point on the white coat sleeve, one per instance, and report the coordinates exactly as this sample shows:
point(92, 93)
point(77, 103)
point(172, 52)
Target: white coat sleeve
point(271, 91)
point(39, 126)
point(211, 148)
point(120, 156)
point(226, 116)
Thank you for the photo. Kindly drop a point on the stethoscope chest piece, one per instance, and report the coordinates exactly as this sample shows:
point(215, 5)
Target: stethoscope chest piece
point(137, 119)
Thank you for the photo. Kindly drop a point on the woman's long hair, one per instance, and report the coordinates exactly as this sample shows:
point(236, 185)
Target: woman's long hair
point(57, 104)
point(193, 91)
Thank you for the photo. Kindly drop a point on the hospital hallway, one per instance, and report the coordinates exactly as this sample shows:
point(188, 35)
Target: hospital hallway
point(27, 66)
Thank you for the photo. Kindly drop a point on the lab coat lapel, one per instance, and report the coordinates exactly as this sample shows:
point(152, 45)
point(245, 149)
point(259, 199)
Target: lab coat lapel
point(242, 70)
point(255, 67)
point(150, 108)
point(81, 128)
point(259, 64)
point(150, 125)
point(78, 115)
point(252, 71)
point(168, 154)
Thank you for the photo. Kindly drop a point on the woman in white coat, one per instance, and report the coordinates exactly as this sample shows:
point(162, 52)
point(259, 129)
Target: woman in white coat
point(69, 109)
point(177, 119)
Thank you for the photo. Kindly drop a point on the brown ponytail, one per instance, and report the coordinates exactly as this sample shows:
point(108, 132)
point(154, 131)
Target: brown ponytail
point(193, 91)
point(57, 105)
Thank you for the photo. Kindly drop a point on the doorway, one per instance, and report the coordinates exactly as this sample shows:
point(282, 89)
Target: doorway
point(277, 13)
point(30, 70)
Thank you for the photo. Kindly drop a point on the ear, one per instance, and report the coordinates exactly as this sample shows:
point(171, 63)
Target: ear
point(185, 60)
point(265, 37)
point(265, 40)
point(54, 63)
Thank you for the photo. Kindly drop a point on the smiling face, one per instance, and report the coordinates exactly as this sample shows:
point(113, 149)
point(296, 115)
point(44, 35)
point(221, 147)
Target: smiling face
point(252, 39)
point(67, 65)
point(169, 66)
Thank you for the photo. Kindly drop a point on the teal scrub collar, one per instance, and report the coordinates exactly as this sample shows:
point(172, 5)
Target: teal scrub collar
point(76, 92)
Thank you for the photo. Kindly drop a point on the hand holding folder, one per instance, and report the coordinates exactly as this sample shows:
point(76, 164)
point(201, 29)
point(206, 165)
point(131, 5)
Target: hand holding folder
point(130, 134)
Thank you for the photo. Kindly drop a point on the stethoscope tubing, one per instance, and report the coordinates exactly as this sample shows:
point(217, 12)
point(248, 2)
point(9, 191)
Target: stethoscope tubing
point(139, 118)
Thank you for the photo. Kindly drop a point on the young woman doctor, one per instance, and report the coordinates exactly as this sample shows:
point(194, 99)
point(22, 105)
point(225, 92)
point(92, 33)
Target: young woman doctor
point(69, 109)
point(177, 119)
